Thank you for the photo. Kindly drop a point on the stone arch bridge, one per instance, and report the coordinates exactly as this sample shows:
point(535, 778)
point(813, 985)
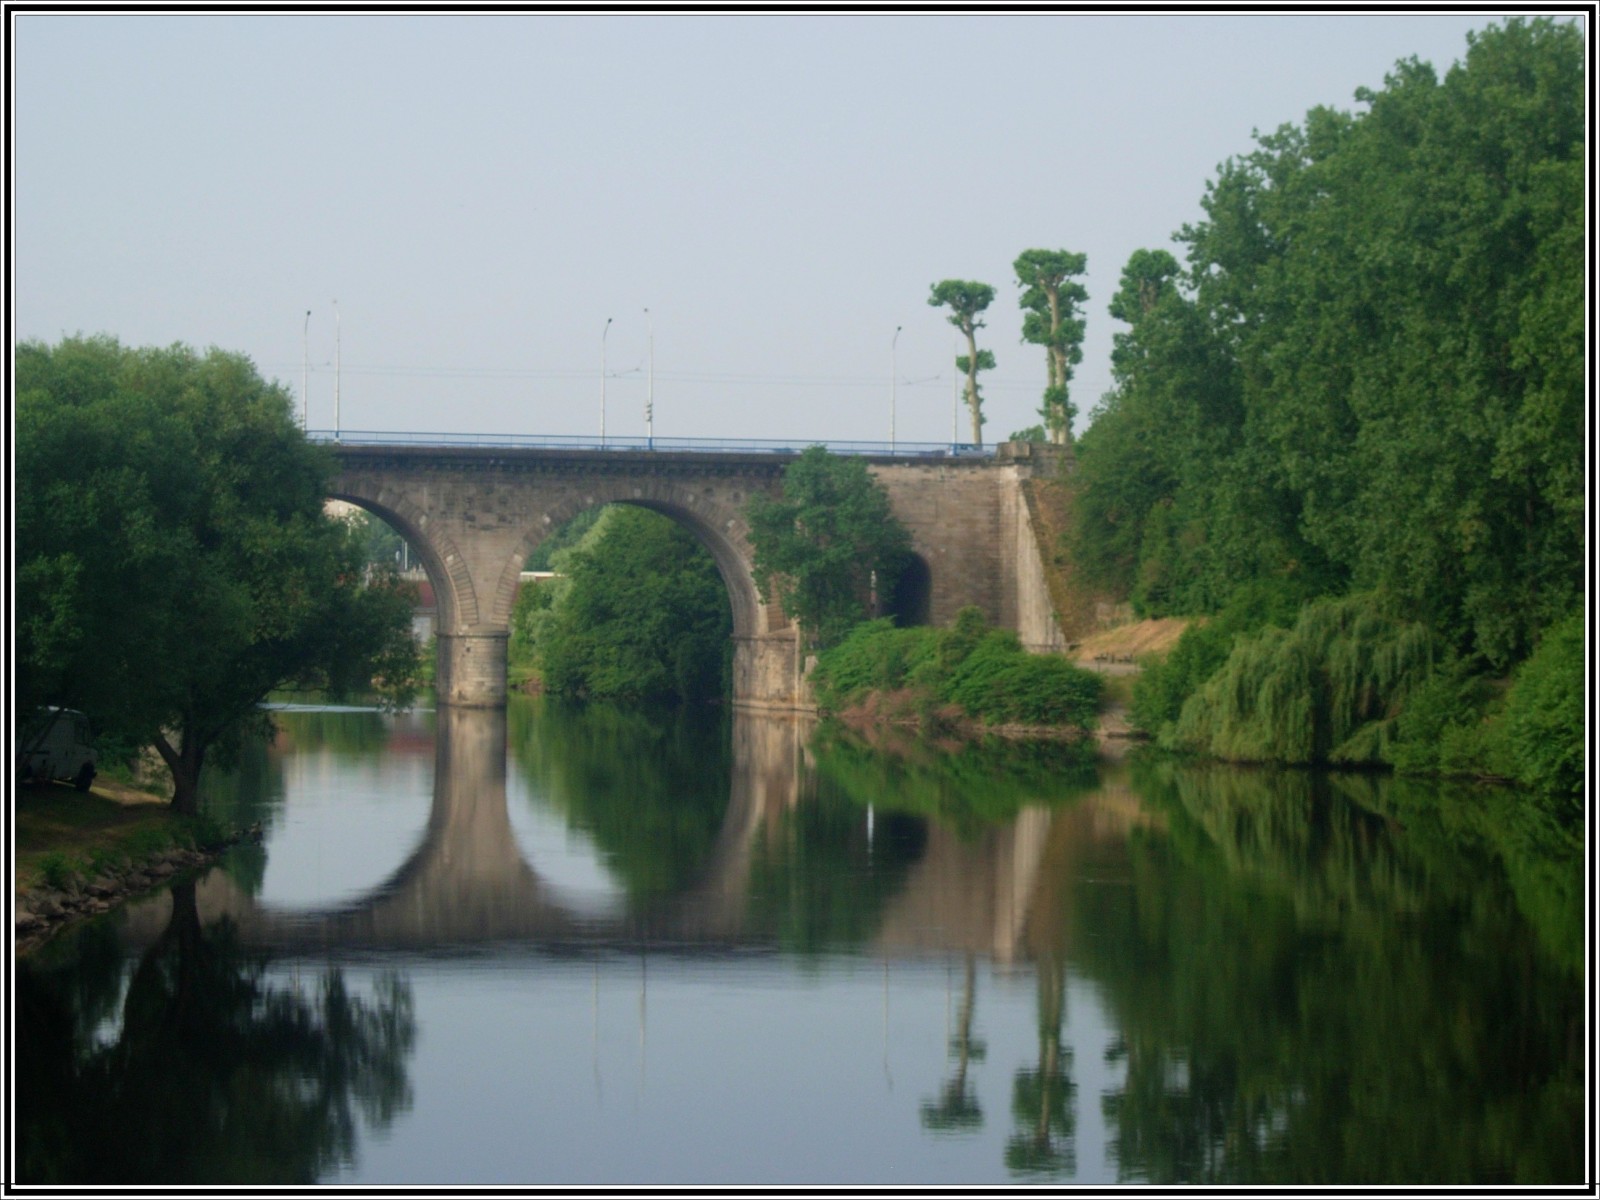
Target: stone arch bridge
point(473, 514)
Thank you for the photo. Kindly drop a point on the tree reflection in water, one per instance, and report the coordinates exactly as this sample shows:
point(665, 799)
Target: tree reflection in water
point(1042, 1097)
point(216, 1075)
point(957, 1110)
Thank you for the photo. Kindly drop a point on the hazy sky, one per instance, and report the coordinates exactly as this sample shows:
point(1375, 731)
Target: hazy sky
point(480, 192)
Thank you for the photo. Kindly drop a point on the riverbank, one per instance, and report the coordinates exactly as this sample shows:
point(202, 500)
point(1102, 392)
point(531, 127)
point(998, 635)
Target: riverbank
point(80, 854)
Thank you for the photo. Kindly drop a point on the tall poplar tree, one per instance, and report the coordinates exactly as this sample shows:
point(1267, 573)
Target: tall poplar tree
point(966, 300)
point(1052, 302)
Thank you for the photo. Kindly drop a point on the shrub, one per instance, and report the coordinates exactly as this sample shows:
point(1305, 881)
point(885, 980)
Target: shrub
point(983, 670)
point(1002, 683)
point(1545, 719)
point(1451, 725)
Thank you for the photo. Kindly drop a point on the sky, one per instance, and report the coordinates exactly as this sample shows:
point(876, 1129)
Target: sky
point(463, 201)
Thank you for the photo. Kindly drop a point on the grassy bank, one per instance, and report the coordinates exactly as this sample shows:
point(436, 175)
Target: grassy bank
point(62, 832)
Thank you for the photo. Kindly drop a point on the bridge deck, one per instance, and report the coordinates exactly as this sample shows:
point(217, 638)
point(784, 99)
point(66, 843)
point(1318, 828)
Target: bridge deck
point(564, 442)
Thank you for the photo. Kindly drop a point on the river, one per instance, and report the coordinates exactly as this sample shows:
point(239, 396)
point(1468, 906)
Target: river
point(563, 945)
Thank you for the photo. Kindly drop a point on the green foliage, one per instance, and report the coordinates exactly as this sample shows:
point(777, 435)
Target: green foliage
point(1003, 684)
point(1052, 302)
point(174, 561)
point(643, 614)
point(1163, 684)
point(1367, 374)
point(56, 869)
point(1033, 433)
point(829, 547)
point(984, 671)
point(534, 601)
point(569, 534)
point(381, 545)
point(1545, 719)
point(1326, 690)
point(1452, 725)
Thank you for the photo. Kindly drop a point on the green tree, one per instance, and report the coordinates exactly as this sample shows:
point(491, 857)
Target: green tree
point(1366, 376)
point(1051, 303)
point(643, 614)
point(829, 548)
point(966, 300)
point(174, 561)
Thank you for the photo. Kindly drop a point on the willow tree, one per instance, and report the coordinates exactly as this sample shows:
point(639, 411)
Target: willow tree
point(1052, 302)
point(966, 300)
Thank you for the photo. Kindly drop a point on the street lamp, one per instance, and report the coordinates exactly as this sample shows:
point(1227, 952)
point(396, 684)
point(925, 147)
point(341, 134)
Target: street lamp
point(305, 371)
point(650, 396)
point(955, 403)
point(893, 373)
point(336, 361)
point(603, 333)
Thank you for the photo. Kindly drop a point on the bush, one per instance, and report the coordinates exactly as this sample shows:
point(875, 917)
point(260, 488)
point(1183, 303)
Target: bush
point(983, 670)
point(1451, 725)
point(1003, 684)
point(1545, 719)
point(873, 657)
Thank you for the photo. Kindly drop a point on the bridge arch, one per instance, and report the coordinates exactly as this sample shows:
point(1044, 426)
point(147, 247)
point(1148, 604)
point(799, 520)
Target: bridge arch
point(442, 560)
point(724, 535)
point(474, 517)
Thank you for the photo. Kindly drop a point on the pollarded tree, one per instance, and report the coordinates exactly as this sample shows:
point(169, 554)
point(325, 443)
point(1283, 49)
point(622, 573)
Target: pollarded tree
point(1051, 303)
point(822, 547)
point(966, 300)
point(174, 561)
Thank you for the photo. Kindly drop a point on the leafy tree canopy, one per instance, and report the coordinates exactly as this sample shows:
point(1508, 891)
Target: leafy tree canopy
point(174, 563)
point(829, 548)
point(1368, 374)
point(1052, 301)
point(641, 613)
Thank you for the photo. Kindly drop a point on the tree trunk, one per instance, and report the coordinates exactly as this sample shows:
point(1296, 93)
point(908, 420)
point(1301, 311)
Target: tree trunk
point(184, 763)
point(972, 384)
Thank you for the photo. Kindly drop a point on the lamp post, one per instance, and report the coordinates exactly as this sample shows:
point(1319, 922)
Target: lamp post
point(336, 362)
point(650, 395)
point(603, 333)
point(305, 371)
point(955, 404)
point(893, 383)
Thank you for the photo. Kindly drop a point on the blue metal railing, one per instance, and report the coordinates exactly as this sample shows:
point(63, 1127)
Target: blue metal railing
point(514, 441)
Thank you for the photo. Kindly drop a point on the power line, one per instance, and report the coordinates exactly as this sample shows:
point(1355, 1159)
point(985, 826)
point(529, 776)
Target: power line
point(700, 377)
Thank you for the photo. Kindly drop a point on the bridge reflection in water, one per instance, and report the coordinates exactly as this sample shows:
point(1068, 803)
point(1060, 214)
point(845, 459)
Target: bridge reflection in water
point(467, 883)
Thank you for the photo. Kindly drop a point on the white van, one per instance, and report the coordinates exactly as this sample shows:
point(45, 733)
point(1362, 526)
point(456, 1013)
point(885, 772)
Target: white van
point(57, 744)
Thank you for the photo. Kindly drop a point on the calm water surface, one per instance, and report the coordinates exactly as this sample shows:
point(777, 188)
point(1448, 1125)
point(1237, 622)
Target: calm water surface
point(585, 946)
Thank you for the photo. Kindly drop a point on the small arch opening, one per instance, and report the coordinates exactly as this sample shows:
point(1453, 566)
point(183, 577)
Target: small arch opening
point(910, 601)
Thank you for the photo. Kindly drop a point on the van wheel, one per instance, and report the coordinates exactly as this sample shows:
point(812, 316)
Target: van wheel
point(84, 777)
